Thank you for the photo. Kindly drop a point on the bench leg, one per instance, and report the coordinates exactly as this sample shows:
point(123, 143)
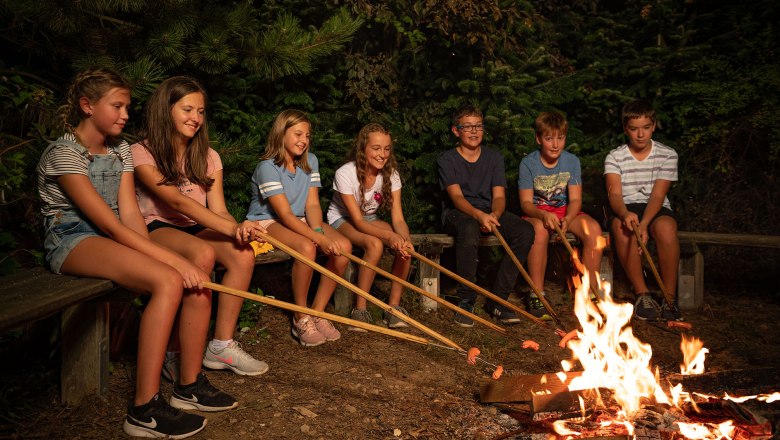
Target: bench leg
point(429, 279)
point(343, 298)
point(85, 343)
point(690, 277)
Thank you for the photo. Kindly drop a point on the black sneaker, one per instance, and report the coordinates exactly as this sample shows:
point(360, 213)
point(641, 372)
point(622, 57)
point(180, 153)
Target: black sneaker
point(646, 308)
point(156, 419)
point(536, 308)
point(670, 312)
point(463, 320)
point(505, 316)
point(201, 395)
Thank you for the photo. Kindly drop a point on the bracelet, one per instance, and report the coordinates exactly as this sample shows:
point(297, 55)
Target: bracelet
point(319, 230)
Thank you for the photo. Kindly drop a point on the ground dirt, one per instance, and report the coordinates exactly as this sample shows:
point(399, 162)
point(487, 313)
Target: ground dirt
point(371, 386)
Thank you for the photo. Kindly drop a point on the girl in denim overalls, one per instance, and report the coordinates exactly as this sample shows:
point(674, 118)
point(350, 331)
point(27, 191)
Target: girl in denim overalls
point(94, 229)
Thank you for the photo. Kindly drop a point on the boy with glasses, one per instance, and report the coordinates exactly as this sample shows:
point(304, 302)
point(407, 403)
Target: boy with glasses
point(473, 177)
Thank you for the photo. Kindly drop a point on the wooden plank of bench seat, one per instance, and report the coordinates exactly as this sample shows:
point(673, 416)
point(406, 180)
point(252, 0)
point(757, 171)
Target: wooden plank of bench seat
point(750, 240)
point(37, 293)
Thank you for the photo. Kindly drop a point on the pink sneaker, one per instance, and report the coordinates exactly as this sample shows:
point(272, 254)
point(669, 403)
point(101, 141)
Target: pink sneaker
point(326, 328)
point(306, 332)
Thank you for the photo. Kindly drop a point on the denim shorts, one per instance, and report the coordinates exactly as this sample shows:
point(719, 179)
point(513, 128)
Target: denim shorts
point(340, 221)
point(63, 235)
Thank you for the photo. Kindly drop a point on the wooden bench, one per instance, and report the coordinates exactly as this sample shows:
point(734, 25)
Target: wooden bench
point(690, 287)
point(37, 293)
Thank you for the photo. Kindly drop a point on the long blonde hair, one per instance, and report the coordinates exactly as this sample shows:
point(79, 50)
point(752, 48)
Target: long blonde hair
point(92, 84)
point(274, 148)
point(358, 154)
point(160, 131)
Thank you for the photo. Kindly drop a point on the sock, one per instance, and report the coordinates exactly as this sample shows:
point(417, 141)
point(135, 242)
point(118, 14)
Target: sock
point(218, 345)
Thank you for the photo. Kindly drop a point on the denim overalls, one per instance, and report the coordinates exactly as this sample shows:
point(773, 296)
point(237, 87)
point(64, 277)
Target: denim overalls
point(67, 227)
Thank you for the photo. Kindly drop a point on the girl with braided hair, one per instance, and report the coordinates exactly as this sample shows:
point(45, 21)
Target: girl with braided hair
point(94, 228)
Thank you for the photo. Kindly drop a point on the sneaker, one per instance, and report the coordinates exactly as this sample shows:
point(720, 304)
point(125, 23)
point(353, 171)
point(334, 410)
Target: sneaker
point(670, 312)
point(646, 308)
point(235, 358)
point(536, 308)
point(505, 316)
point(463, 320)
point(157, 419)
point(327, 329)
point(395, 322)
point(170, 368)
point(362, 315)
point(202, 396)
point(306, 332)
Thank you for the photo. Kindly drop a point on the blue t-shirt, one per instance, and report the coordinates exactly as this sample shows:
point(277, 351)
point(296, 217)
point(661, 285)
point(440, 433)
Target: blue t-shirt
point(550, 185)
point(270, 179)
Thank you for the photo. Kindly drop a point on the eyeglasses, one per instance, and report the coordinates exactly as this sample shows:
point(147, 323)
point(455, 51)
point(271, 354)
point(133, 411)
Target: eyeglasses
point(472, 128)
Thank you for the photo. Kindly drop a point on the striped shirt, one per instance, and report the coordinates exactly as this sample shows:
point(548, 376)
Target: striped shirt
point(270, 179)
point(60, 159)
point(638, 176)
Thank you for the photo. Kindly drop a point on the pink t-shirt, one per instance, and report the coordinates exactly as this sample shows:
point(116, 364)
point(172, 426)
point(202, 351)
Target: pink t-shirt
point(152, 208)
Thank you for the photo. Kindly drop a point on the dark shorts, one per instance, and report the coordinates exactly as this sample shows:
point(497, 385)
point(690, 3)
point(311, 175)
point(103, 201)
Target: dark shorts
point(192, 230)
point(639, 209)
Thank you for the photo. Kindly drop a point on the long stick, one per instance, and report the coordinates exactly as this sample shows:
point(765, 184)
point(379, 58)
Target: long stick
point(422, 292)
point(482, 291)
point(669, 300)
point(296, 308)
point(298, 256)
point(527, 277)
point(593, 282)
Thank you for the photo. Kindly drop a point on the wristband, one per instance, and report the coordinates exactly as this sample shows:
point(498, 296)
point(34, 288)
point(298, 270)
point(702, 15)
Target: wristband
point(319, 230)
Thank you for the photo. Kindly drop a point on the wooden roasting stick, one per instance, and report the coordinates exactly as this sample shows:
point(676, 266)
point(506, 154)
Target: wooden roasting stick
point(296, 308)
point(298, 256)
point(527, 277)
point(482, 291)
point(594, 287)
point(429, 295)
point(669, 300)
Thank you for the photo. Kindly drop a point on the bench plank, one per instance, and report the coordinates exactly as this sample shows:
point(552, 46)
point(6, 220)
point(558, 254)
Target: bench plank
point(37, 293)
point(751, 240)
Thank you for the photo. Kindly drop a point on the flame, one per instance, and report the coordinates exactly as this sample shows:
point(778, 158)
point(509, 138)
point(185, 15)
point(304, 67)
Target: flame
point(693, 355)
point(707, 431)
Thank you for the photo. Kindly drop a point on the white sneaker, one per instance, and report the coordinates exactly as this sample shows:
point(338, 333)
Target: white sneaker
point(235, 358)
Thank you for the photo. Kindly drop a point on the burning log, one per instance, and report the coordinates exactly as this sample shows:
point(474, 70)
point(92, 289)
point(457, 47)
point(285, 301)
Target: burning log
point(734, 382)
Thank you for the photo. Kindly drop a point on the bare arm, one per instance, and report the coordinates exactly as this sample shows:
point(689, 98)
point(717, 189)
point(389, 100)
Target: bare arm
point(529, 208)
point(243, 232)
point(129, 212)
point(655, 202)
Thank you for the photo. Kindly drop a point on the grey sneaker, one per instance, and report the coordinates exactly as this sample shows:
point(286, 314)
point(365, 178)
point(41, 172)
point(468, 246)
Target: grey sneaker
point(646, 308)
point(395, 322)
point(670, 312)
point(536, 308)
point(463, 320)
point(170, 368)
point(235, 358)
point(362, 315)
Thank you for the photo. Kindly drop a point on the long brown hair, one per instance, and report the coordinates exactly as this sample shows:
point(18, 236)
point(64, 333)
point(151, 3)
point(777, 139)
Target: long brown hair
point(274, 147)
point(159, 134)
point(92, 84)
point(358, 154)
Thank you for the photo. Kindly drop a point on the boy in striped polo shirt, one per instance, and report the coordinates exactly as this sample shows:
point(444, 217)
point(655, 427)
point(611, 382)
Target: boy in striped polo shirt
point(639, 175)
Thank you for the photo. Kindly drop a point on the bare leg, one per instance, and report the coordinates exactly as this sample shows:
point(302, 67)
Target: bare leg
point(664, 232)
point(537, 256)
point(301, 273)
point(373, 249)
point(336, 264)
point(588, 231)
point(140, 272)
point(628, 254)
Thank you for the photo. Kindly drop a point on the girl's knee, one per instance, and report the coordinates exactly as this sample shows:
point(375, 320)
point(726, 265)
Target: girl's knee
point(374, 247)
point(205, 257)
point(241, 259)
point(346, 245)
point(307, 248)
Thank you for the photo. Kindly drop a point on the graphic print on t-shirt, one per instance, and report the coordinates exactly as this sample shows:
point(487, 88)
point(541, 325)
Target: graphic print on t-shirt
point(551, 190)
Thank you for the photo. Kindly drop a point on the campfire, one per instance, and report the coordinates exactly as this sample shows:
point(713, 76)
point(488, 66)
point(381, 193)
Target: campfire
point(618, 394)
